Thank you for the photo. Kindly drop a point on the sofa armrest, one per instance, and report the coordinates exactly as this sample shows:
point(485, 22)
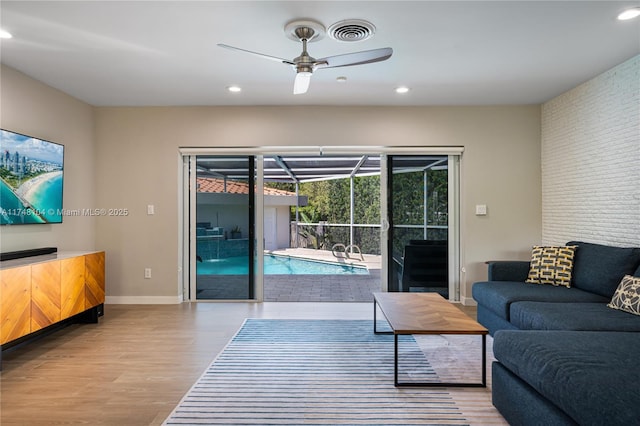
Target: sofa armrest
point(508, 270)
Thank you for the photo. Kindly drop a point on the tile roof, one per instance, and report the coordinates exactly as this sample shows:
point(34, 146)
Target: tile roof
point(213, 185)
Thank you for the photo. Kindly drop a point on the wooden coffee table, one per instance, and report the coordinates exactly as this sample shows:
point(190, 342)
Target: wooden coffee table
point(426, 313)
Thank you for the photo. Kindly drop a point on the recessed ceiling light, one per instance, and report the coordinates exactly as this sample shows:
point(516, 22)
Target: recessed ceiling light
point(5, 34)
point(402, 89)
point(234, 89)
point(341, 79)
point(629, 14)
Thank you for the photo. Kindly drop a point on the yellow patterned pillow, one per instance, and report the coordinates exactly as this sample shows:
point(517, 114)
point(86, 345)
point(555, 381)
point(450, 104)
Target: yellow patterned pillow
point(627, 295)
point(551, 265)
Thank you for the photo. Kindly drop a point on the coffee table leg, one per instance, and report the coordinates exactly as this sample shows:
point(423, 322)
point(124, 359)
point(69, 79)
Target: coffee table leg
point(375, 331)
point(483, 383)
point(484, 360)
point(395, 361)
point(375, 320)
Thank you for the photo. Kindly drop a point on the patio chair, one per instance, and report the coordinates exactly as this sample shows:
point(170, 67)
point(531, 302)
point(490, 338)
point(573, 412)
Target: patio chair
point(425, 267)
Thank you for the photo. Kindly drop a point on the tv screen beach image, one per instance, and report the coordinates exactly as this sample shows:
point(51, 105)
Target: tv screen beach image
point(31, 179)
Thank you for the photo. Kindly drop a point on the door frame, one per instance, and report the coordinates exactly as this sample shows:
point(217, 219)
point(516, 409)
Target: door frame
point(186, 242)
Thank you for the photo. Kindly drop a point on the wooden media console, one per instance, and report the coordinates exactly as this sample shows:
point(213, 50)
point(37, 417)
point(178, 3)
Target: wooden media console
point(42, 293)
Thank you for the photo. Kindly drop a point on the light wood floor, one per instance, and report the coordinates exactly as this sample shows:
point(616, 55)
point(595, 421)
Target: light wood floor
point(136, 364)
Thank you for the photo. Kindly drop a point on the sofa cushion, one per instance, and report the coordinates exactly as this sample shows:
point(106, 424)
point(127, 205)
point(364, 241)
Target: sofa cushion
point(571, 316)
point(492, 321)
point(507, 270)
point(498, 295)
point(627, 295)
point(551, 265)
point(592, 376)
point(599, 269)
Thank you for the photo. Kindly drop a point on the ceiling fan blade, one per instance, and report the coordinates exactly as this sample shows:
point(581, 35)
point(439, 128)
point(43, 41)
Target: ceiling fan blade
point(260, 55)
point(355, 58)
point(301, 84)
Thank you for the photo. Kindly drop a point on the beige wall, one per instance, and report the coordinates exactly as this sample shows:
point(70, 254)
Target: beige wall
point(138, 165)
point(32, 108)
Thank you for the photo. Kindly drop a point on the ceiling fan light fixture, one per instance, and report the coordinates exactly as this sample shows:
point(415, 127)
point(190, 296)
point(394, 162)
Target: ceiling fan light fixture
point(301, 84)
point(631, 13)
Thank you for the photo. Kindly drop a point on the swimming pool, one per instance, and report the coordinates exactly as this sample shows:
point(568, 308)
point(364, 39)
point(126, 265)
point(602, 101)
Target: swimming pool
point(277, 265)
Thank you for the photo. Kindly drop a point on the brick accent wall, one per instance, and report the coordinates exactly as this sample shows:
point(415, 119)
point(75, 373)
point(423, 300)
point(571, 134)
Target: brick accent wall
point(591, 160)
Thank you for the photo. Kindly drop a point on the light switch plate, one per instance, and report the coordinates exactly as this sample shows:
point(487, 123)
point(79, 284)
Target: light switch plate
point(481, 209)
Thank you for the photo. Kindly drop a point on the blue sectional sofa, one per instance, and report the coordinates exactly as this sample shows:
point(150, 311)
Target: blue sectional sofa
point(563, 356)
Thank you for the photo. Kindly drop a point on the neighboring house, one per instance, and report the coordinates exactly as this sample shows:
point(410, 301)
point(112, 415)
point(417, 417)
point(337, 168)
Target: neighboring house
point(223, 204)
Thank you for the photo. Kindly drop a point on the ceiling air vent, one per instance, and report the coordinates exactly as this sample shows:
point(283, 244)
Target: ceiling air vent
point(351, 30)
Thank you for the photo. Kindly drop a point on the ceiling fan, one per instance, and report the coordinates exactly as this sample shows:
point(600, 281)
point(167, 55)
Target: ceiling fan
point(305, 65)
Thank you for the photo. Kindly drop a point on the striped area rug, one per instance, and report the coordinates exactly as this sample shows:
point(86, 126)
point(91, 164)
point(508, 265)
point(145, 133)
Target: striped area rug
point(316, 372)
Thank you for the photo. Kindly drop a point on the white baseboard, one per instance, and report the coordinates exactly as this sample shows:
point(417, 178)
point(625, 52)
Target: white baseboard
point(143, 300)
point(172, 300)
point(468, 301)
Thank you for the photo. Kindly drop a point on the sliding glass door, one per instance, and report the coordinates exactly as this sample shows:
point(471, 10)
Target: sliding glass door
point(223, 235)
point(421, 242)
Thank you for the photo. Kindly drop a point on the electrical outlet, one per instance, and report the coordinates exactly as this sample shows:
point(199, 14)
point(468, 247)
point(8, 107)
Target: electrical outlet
point(147, 273)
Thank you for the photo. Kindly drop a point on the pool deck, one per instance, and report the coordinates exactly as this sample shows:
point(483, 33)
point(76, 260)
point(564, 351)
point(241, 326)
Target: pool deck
point(371, 261)
point(302, 288)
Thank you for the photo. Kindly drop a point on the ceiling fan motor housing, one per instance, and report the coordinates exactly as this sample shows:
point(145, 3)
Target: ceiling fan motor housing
point(303, 67)
point(304, 62)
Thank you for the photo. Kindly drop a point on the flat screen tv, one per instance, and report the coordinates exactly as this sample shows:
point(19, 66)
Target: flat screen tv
point(31, 177)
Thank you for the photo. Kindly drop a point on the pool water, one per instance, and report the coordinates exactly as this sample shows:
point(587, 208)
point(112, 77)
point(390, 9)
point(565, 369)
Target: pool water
point(277, 265)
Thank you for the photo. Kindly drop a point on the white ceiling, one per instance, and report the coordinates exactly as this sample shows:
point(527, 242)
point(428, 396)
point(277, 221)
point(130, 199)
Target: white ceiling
point(157, 53)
